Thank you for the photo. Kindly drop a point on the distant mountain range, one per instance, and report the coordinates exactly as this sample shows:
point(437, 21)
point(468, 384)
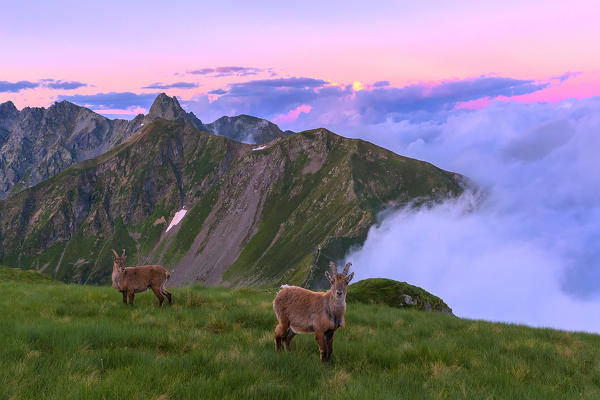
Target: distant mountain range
point(37, 143)
point(254, 215)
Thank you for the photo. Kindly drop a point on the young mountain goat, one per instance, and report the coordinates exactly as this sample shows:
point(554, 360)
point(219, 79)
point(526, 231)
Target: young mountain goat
point(132, 280)
point(300, 310)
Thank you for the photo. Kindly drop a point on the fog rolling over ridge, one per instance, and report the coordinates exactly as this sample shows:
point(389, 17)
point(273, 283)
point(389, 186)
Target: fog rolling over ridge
point(527, 248)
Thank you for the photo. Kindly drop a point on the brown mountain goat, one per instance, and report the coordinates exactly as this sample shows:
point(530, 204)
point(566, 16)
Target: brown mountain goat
point(300, 310)
point(132, 280)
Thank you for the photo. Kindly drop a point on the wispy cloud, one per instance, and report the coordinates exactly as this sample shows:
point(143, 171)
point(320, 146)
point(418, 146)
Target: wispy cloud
point(263, 97)
point(227, 71)
point(381, 83)
point(14, 87)
point(175, 85)
point(279, 83)
point(112, 100)
point(565, 76)
point(335, 104)
point(378, 102)
point(64, 85)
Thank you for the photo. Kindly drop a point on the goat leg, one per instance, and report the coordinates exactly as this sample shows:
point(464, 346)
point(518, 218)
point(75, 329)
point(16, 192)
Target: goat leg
point(159, 296)
point(131, 296)
point(280, 333)
point(168, 294)
point(329, 342)
point(288, 339)
point(320, 337)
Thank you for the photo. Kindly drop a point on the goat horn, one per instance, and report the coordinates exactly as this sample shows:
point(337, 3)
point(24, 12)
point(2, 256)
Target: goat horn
point(115, 253)
point(123, 255)
point(333, 267)
point(347, 268)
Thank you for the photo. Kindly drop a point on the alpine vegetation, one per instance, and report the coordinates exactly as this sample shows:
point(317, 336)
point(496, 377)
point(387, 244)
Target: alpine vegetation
point(301, 310)
point(132, 280)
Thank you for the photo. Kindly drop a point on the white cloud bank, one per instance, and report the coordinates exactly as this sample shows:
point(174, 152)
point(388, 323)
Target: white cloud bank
point(530, 251)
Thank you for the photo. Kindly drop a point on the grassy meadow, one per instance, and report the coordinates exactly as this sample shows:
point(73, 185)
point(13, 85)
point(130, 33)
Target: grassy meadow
point(63, 341)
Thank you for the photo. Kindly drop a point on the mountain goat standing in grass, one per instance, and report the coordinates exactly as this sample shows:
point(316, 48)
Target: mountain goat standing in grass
point(300, 310)
point(132, 280)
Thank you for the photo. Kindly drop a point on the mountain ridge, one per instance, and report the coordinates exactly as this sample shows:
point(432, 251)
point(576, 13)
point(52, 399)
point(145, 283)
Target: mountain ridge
point(36, 143)
point(275, 204)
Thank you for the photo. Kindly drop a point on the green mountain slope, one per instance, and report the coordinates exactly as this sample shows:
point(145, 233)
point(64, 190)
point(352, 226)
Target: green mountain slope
point(255, 215)
point(76, 341)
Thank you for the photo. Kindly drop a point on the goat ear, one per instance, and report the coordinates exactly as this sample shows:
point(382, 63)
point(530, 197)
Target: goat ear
point(329, 277)
point(349, 277)
point(123, 255)
point(333, 267)
point(347, 268)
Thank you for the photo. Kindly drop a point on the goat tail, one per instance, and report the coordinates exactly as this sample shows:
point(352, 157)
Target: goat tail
point(168, 275)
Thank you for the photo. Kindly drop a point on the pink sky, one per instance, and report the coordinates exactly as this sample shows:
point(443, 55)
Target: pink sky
point(121, 48)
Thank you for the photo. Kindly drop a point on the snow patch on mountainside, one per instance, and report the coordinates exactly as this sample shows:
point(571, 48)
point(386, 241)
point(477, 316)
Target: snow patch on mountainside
point(177, 218)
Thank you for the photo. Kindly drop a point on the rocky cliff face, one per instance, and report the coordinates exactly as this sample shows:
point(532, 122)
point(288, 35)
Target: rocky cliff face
point(255, 215)
point(246, 129)
point(38, 143)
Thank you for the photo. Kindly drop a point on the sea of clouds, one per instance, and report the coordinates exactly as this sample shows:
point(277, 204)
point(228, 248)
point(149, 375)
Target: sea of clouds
point(525, 246)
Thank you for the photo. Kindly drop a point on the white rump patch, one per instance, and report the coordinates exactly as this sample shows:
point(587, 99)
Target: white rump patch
point(259, 148)
point(284, 286)
point(177, 218)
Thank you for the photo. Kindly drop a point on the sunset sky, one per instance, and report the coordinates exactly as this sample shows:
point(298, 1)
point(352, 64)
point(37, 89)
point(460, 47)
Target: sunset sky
point(201, 51)
point(506, 93)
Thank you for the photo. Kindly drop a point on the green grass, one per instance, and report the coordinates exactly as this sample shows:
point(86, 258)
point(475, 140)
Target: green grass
point(70, 342)
point(22, 276)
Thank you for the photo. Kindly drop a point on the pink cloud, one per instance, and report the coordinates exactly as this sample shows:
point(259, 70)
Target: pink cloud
point(578, 86)
point(473, 104)
point(571, 85)
point(292, 115)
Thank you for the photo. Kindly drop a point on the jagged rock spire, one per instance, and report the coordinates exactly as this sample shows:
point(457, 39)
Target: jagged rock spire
point(166, 107)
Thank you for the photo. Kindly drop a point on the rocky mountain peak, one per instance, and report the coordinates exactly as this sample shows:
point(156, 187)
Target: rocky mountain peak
point(245, 128)
point(8, 110)
point(65, 110)
point(166, 107)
